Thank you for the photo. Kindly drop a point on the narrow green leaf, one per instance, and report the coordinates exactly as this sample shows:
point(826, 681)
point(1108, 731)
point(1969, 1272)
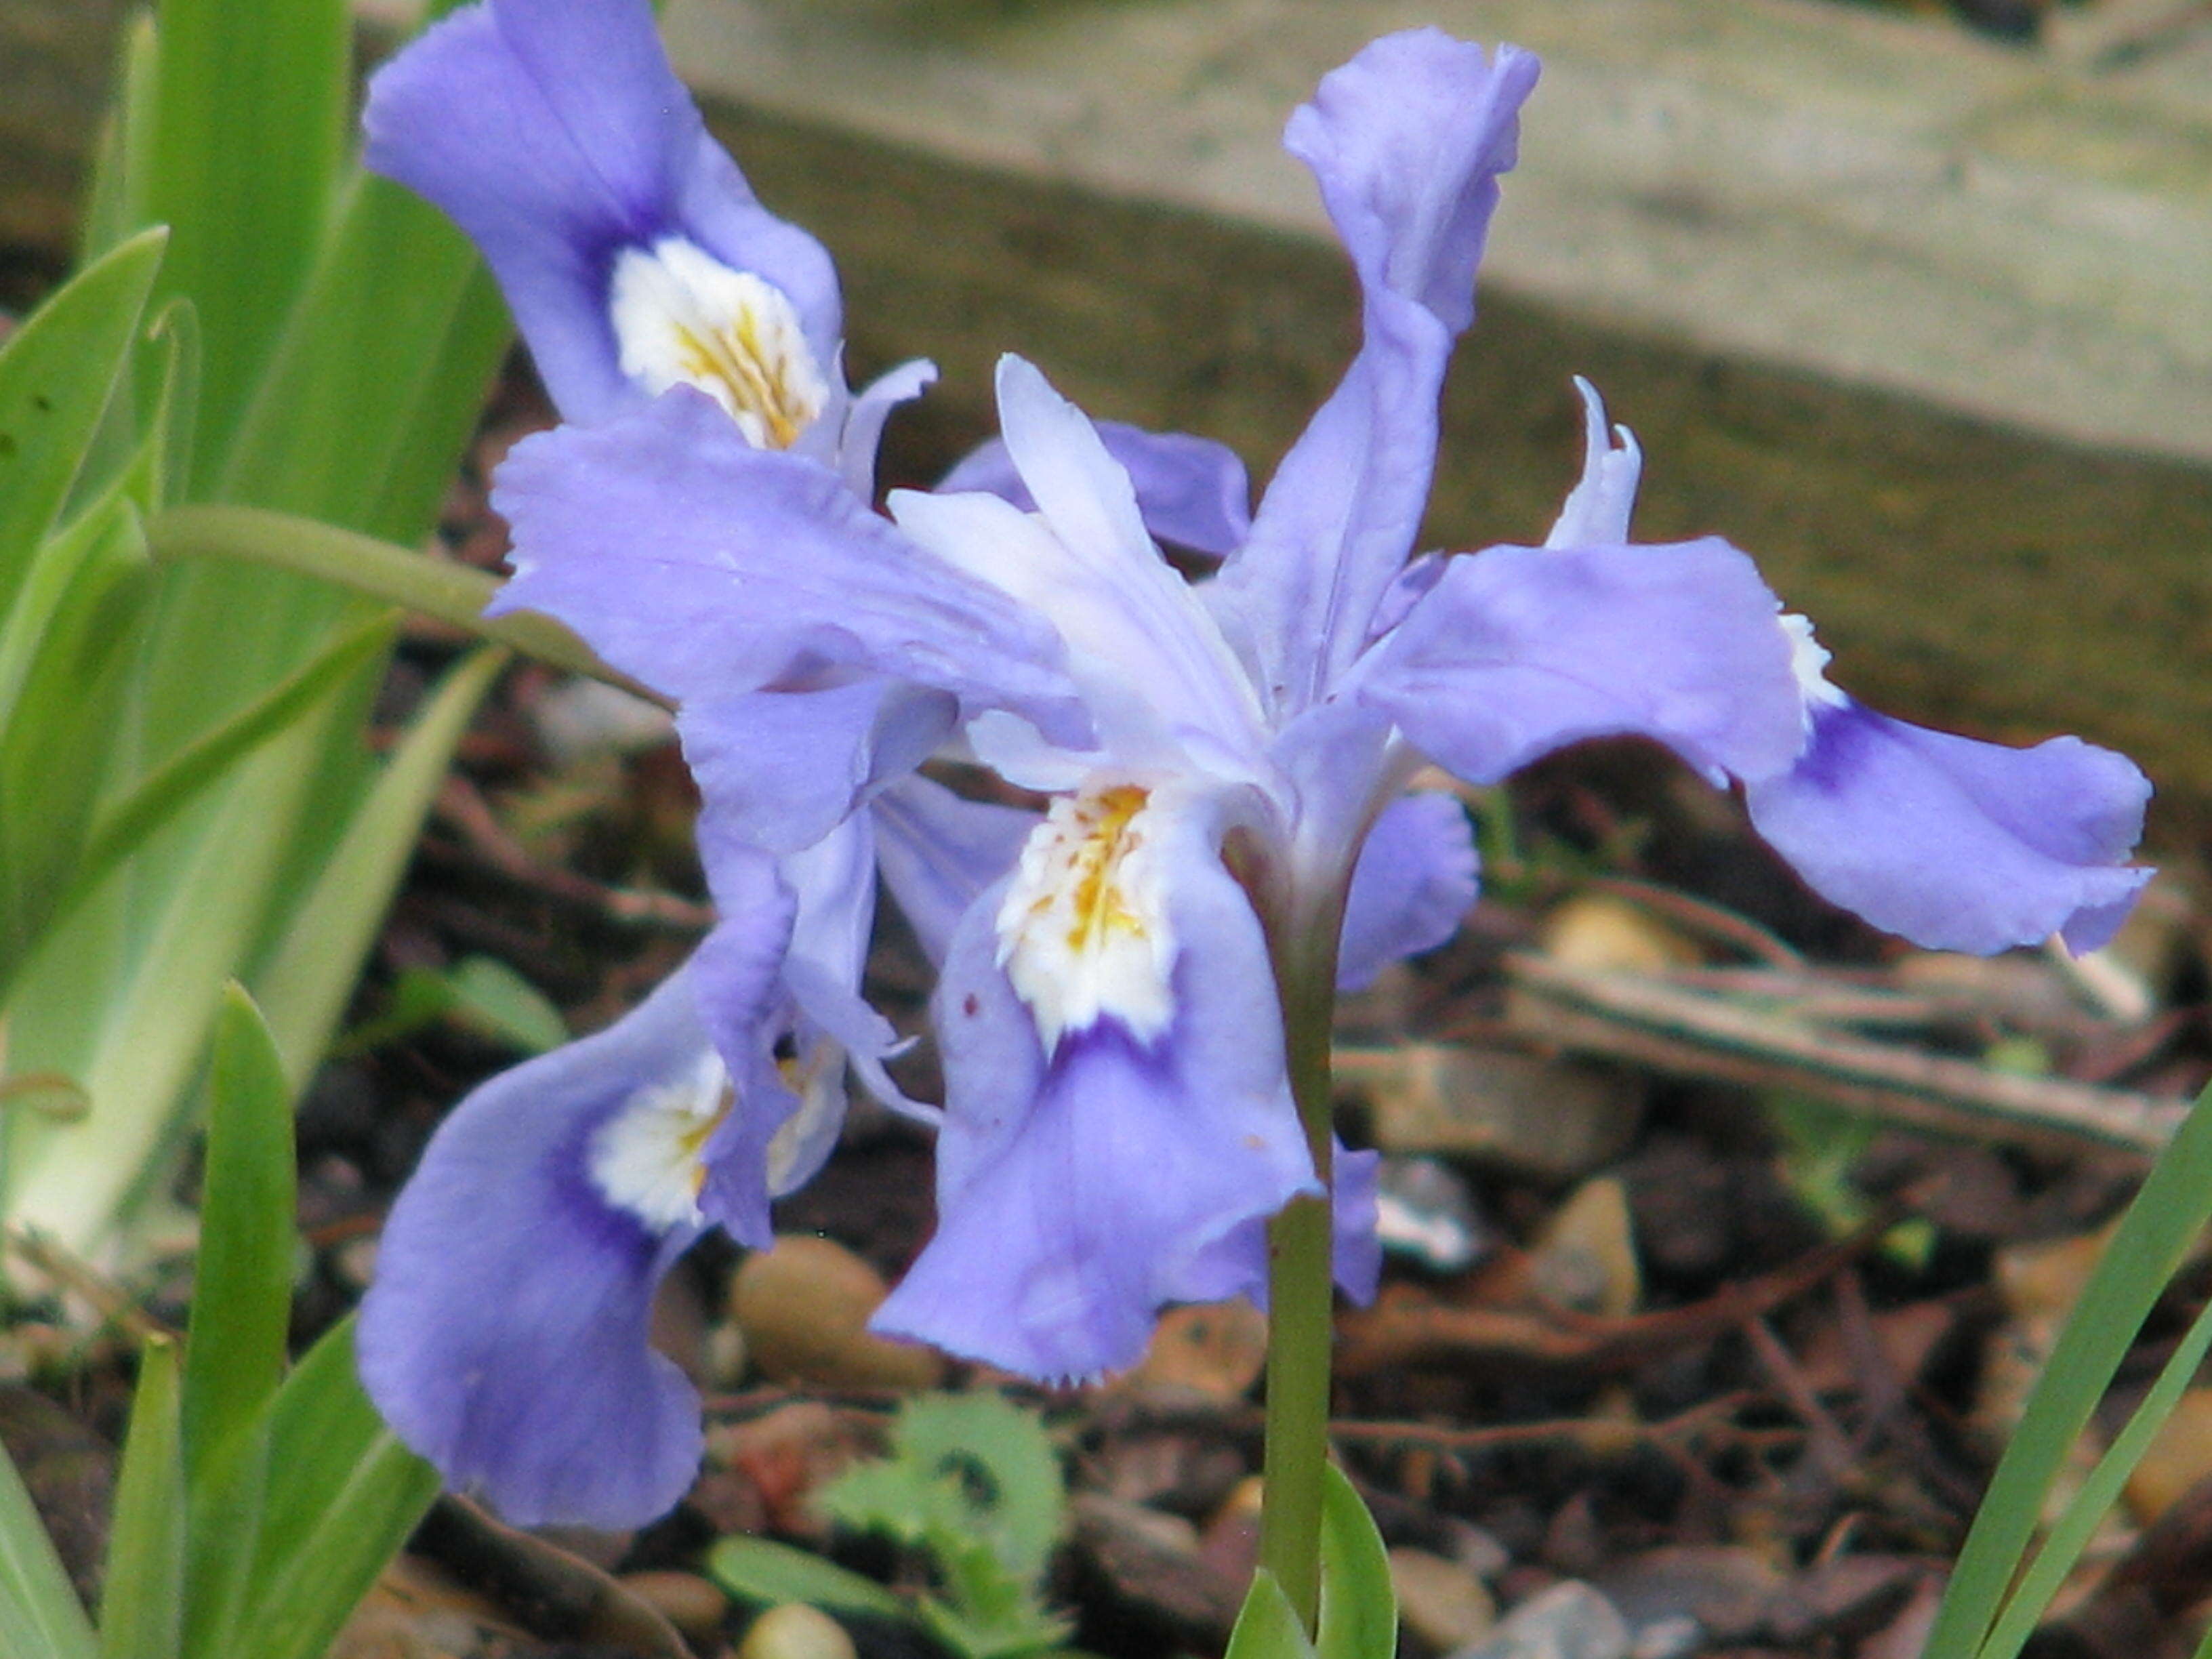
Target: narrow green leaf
point(305, 985)
point(756, 1570)
point(381, 368)
point(57, 372)
point(2156, 1233)
point(224, 1500)
point(120, 828)
point(250, 118)
point(62, 691)
point(1267, 1626)
point(451, 593)
point(490, 998)
point(39, 1615)
point(242, 1286)
point(115, 205)
point(124, 995)
point(142, 1592)
point(1358, 1606)
point(2031, 1595)
point(349, 1495)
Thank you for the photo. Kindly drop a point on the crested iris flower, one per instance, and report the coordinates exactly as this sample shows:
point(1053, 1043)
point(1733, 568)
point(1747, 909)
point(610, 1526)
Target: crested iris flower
point(1224, 764)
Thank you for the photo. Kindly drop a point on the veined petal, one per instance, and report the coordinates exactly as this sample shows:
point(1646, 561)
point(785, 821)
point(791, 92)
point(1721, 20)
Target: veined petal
point(1954, 844)
point(1406, 141)
point(781, 769)
point(554, 133)
point(1416, 877)
point(938, 852)
point(1517, 651)
point(1154, 665)
point(708, 569)
point(506, 1326)
point(1076, 1196)
point(1191, 491)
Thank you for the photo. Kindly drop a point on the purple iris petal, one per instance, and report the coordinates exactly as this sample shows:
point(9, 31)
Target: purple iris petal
point(1406, 141)
point(507, 1326)
point(1958, 845)
point(1415, 878)
point(707, 567)
point(1077, 1196)
point(937, 852)
point(1236, 1264)
point(554, 133)
point(780, 770)
point(1192, 491)
point(1519, 650)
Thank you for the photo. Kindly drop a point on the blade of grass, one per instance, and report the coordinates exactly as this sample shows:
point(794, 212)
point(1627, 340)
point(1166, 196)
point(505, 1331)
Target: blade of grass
point(305, 985)
point(57, 372)
point(39, 1615)
point(2032, 1595)
point(120, 828)
point(142, 1592)
point(250, 114)
point(2157, 1232)
point(350, 1495)
point(242, 1284)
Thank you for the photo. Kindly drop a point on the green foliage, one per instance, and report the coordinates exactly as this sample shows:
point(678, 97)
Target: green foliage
point(190, 799)
point(973, 1487)
point(479, 993)
point(1999, 1592)
point(1359, 1607)
point(253, 1508)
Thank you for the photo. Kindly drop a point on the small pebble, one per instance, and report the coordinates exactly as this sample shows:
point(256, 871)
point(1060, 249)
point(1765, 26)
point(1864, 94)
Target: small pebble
point(804, 1307)
point(1441, 1602)
point(795, 1631)
point(691, 1603)
point(1570, 1620)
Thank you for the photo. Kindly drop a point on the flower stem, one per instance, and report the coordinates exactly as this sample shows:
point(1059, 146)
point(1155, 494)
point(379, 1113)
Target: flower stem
point(1300, 1290)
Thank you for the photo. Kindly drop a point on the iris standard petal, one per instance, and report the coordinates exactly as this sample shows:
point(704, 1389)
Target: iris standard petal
point(707, 567)
point(1954, 844)
point(506, 1328)
point(1406, 141)
point(1077, 1196)
point(1517, 651)
point(1416, 877)
point(1154, 667)
point(1191, 491)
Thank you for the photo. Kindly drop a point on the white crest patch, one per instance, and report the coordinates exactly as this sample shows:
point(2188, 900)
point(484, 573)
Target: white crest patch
point(1084, 931)
point(646, 1158)
point(1808, 659)
point(682, 317)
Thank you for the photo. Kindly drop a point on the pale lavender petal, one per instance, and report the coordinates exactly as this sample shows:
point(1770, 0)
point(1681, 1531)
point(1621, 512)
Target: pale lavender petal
point(1954, 844)
point(506, 1329)
point(707, 569)
point(554, 133)
point(1076, 1197)
point(780, 769)
point(1518, 651)
point(1406, 141)
point(1415, 878)
point(938, 852)
point(1191, 491)
point(1236, 1265)
point(1596, 511)
point(871, 406)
